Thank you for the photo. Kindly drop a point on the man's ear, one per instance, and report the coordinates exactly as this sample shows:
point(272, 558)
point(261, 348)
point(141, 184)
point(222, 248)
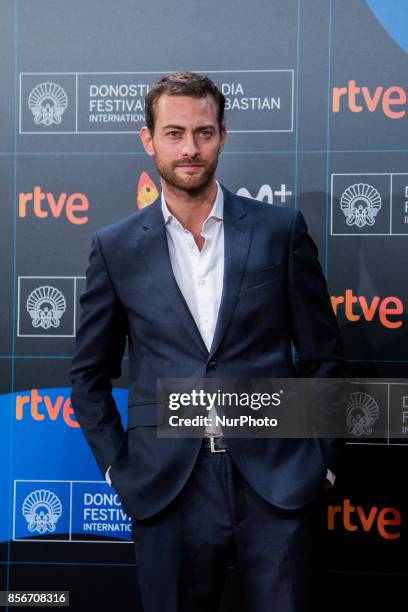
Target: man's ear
point(147, 140)
point(223, 137)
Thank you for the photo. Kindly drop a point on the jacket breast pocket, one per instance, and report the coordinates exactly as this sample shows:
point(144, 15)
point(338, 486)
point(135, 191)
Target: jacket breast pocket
point(261, 277)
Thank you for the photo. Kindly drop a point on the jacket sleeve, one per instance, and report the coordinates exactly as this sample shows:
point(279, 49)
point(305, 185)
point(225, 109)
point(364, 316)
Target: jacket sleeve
point(315, 333)
point(100, 345)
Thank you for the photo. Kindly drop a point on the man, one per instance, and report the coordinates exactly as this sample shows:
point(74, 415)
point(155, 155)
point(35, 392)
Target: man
point(205, 284)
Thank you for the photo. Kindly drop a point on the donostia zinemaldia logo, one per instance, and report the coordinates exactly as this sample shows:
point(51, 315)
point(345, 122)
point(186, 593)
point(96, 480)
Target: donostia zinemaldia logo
point(41, 509)
point(46, 305)
point(47, 102)
point(362, 412)
point(360, 204)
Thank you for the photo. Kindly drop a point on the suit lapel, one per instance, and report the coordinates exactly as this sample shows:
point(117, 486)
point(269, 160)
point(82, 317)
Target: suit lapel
point(237, 238)
point(154, 249)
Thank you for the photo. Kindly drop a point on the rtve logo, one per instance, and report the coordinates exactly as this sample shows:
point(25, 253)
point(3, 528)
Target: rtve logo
point(355, 308)
point(359, 99)
point(42, 205)
point(355, 518)
point(43, 407)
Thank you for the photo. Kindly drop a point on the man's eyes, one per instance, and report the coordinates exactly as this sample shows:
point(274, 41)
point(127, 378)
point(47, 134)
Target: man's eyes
point(177, 134)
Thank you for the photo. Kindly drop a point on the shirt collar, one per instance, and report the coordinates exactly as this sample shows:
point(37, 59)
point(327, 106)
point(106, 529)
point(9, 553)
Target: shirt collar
point(217, 211)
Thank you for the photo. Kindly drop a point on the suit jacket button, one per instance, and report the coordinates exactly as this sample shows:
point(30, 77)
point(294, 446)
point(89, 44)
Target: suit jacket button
point(212, 365)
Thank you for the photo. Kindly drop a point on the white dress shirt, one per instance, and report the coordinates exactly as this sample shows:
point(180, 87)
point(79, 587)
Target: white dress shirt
point(200, 274)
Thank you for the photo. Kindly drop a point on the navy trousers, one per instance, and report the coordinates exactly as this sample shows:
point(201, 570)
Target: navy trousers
point(218, 520)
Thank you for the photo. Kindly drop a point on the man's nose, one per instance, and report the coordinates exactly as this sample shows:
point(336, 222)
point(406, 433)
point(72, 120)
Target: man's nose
point(190, 148)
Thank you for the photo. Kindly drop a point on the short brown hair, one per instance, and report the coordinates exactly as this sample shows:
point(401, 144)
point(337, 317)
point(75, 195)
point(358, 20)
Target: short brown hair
point(183, 84)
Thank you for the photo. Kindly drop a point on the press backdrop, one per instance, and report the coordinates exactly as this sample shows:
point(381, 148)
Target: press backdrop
point(316, 92)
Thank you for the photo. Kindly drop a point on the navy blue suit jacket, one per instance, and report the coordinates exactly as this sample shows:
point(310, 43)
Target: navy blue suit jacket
point(274, 293)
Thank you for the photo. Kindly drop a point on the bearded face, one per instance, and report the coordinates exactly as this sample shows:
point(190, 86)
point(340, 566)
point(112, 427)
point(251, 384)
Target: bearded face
point(186, 143)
